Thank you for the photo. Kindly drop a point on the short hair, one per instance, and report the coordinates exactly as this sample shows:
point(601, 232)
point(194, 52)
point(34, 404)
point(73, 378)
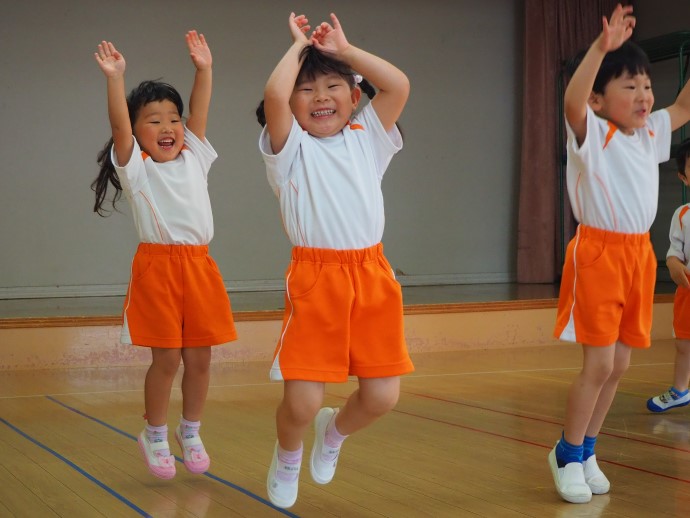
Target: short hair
point(629, 57)
point(682, 155)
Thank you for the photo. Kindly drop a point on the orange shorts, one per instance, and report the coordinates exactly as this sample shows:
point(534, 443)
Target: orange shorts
point(607, 289)
point(343, 316)
point(176, 298)
point(681, 314)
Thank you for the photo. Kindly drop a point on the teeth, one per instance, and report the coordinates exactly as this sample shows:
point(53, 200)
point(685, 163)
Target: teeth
point(322, 113)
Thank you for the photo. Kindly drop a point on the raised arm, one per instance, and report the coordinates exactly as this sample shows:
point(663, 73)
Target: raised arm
point(113, 65)
point(392, 83)
point(200, 98)
point(281, 83)
point(680, 109)
point(614, 33)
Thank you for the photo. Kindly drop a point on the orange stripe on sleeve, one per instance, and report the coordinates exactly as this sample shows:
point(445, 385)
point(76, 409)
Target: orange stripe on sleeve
point(609, 135)
point(681, 214)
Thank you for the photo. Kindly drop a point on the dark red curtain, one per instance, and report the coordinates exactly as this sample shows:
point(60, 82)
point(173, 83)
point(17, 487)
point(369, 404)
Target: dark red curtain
point(555, 30)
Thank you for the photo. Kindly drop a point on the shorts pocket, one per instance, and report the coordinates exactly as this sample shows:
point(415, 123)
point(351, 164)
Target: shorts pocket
point(211, 265)
point(302, 278)
point(386, 267)
point(141, 265)
point(588, 253)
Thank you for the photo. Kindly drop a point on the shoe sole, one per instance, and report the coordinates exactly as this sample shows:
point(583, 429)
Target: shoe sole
point(553, 464)
point(194, 471)
point(657, 409)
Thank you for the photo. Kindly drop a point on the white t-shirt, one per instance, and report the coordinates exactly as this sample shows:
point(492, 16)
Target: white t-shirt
point(330, 188)
point(169, 200)
point(613, 178)
point(680, 234)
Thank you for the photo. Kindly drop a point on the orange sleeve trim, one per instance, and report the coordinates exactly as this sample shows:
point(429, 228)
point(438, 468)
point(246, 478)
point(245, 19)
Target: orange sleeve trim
point(681, 214)
point(651, 133)
point(355, 126)
point(144, 155)
point(185, 148)
point(611, 132)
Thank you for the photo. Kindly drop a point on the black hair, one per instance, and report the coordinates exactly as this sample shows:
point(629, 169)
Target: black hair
point(146, 92)
point(629, 58)
point(682, 155)
point(315, 63)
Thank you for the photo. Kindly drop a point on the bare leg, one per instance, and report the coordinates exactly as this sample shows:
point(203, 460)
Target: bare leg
point(681, 372)
point(608, 391)
point(158, 383)
point(195, 380)
point(597, 366)
point(374, 398)
point(301, 401)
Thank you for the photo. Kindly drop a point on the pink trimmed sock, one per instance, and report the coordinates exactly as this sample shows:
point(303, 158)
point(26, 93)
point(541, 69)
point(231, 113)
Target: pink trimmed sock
point(288, 464)
point(189, 430)
point(158, 434)
point(333, 439)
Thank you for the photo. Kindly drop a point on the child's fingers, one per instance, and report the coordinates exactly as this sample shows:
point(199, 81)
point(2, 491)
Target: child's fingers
point(336, 22)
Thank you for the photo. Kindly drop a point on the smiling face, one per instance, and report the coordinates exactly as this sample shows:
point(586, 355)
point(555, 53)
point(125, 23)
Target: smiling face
point(627, 101)
point(323, 105)
point(159, 130)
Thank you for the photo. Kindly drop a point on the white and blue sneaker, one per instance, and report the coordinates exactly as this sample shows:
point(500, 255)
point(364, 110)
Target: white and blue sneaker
point(669, 399)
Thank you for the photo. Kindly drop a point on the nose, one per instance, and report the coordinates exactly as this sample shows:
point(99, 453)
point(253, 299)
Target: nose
point(321, 95)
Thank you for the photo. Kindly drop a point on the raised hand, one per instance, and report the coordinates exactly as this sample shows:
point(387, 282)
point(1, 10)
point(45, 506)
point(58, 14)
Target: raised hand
point(112, 63)
point(299, 26)
point(199, 50)
point(618, 29)
point(330, 38)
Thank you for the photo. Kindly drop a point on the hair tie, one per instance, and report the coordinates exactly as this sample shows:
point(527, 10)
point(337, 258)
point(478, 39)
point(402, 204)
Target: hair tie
point(358, 78)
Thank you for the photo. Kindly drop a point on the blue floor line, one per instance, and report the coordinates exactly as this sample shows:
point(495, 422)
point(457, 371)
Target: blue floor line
point(179, 459)
point(77, 469)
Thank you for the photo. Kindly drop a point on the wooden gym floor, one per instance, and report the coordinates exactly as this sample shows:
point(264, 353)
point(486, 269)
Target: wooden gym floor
point(469, 437)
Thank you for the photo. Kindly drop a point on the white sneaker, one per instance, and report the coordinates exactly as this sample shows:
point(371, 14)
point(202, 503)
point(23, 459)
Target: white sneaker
point(324, 459)
point(281, 493)
point(570, 480)
point(666, 401)
point(595, 478)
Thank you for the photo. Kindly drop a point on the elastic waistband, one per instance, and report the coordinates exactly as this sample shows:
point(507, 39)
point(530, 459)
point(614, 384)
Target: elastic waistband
point(608, 236)
point(177, 250)
point(329, 255)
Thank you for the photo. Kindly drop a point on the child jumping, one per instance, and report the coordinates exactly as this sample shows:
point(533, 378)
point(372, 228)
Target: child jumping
point(677, 259)
point(343, 306)
point(615, 143)
point(176, 301)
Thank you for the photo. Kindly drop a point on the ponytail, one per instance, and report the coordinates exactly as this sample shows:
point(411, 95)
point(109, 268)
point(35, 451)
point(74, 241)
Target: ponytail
point(106, 175)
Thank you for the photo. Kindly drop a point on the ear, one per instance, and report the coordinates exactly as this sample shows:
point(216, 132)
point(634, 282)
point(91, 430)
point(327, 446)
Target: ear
point(684, 179)
point(355, 95)
point(595, 101)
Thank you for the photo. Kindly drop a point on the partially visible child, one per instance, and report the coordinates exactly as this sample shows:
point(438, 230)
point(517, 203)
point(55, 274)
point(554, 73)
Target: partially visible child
point(615, 146)
point(176, 302)
point(677, 259)
point(343, 309)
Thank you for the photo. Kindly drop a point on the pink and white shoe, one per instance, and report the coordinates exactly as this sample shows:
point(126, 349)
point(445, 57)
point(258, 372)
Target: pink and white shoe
point(196, 460)
point(162, 466)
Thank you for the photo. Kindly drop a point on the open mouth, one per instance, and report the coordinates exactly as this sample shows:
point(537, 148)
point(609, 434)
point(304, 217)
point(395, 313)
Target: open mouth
point(322, 113)
point(166, 143)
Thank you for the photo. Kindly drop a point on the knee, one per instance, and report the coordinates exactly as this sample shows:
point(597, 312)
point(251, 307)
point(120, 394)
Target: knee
point(380, 402)
point(599, 374)
point(168, 363)
point(197, 361)
point(300, 413)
